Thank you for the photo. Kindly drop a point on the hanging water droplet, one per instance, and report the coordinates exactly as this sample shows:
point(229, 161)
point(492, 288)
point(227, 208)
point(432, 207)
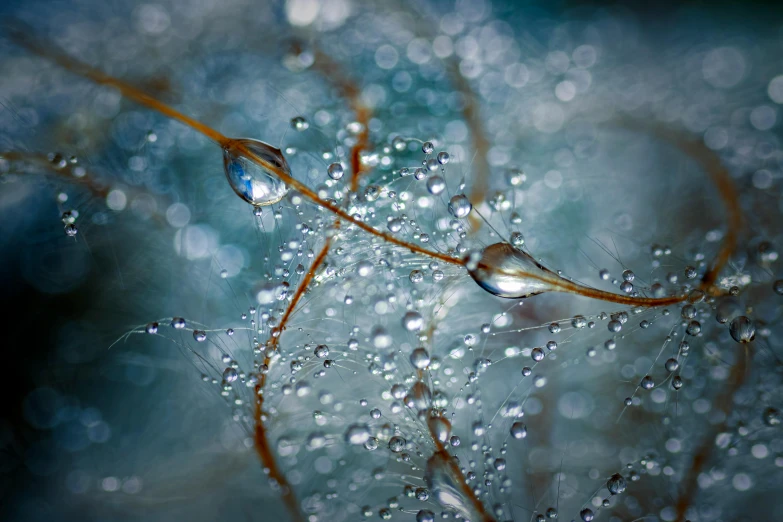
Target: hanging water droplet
point(412, 321)
point(460, 206)
point(587, 515)
point(436, 185)
point(446, 485)
point(616, 484)
point(300, 124)
point(253, 183)
point(505, 271)
point(335, 171)
point(518, 430)
point(357, 434)
point(443, 157)
point(742, 329)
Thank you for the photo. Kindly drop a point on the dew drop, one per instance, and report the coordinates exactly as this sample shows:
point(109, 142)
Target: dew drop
point(505, 271)
point(253, 183)
point(335, 171)
point(460, 206)
point(742, 329)
point(616, 484)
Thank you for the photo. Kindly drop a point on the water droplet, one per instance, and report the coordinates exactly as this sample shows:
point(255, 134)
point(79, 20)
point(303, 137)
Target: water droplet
point(357, 434)
point(505, 271)
point(335, 171)
point(616, 484)
point(518, 430)
point(412, 321)
point(300, 124)
point(427, 148)
point(587, 515)
point(420, 358)
point(436, 185)
point(446, 485)
point(460, 206)
point(253, 183)
point(742, 329)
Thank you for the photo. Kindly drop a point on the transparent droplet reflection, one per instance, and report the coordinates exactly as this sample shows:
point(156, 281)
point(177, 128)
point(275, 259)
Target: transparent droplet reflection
point(253, 183)
point(505, 271)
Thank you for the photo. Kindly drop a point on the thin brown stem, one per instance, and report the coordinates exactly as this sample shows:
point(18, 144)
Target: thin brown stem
point(559, 284)
point(724, 402)
point(262, 444)
point(723, 182)
point(443, 455)
point(352, 93)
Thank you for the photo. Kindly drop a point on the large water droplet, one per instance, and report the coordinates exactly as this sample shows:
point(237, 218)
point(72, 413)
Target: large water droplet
point(508, 272)
point(446, 485)
point(253, 183)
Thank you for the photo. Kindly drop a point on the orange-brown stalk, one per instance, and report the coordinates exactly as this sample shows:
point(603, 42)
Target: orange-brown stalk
point(348, 89)
point(238, 147)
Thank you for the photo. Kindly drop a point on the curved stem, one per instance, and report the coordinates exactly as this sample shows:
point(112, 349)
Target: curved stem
point(351, 92)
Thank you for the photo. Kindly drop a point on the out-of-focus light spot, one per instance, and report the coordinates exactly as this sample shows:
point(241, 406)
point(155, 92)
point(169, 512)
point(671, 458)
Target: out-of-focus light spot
point(723, 67)
point(775, 89)
point(565, 91)
point(302, 12)
point(116, 200)
point(763, 117)
point(178, 215)
point(386, 57)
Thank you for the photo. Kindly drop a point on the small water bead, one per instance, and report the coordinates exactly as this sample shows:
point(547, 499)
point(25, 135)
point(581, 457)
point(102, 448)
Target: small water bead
point(628, 276)
point(395, 225)
point(425, 515)
point(647, 383)
point(771, 417)
point(507, 272)
point(672, 365)
point(677, 382)
point(515, 177)
point(230, 375)
point(299, 124)
point(587, 515)
point(178, 323)
point(428, 147)
point(460, 206)
point(151, 328)
point(396, 444)
point(616, 484)
point(335, 171)
point(199, 335)
point(777, 286)
point(517, 239)
point(693, 328)
point(321, 351)
point(537, 354)
point(412, 321)
point(71, 230)
point(526, 371)
point(357, 434)
point(518, 430)
point(254, 183)
point(416, 276)
point(420, 358)
point(551, 513)
point(742, 329)
point(443, 157)
point(436, 185)
point(690, 272)
point(626, 287)
point(364, 268)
